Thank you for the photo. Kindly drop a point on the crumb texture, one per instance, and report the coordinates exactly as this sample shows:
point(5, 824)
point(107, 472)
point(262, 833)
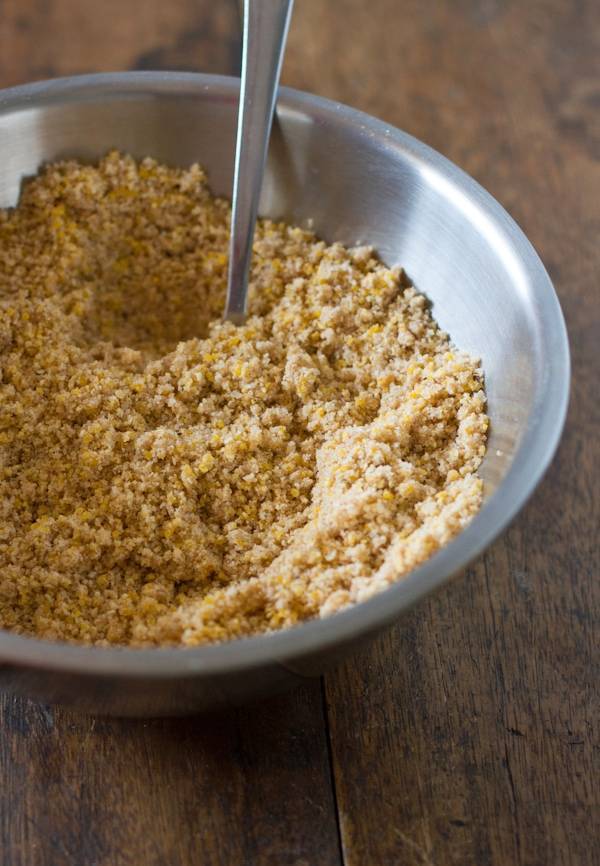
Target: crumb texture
point(168, 478)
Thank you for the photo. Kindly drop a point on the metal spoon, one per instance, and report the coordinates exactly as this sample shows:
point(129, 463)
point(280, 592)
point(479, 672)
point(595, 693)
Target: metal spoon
point(266, 25)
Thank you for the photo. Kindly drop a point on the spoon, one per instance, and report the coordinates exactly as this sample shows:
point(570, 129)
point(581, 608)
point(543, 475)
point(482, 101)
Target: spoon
point(266, 25)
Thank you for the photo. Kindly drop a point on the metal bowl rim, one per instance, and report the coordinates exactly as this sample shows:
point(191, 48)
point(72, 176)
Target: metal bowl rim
point(538, 444)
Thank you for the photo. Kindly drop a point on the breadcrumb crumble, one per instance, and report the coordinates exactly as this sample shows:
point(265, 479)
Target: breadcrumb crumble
point(168, 478)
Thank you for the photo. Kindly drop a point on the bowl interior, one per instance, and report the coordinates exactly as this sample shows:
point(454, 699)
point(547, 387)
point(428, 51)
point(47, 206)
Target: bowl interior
point(351, 184)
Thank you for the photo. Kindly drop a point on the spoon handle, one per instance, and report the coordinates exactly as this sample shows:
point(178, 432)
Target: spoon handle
point(266, 25)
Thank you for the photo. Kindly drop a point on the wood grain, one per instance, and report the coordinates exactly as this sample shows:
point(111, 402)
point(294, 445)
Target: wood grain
point(469, 733)
point(252, 786)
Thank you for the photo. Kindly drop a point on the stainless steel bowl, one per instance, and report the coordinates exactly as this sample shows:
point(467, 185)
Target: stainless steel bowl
point(355, 179)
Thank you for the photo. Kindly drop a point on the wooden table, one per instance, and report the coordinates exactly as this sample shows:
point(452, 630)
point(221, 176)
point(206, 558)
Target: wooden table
point(468, 734)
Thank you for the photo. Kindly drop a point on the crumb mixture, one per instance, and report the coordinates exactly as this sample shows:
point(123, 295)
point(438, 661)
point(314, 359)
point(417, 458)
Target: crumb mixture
point(168, 478)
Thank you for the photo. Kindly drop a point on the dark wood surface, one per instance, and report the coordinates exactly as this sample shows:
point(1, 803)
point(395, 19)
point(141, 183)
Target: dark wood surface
point(469, 733)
